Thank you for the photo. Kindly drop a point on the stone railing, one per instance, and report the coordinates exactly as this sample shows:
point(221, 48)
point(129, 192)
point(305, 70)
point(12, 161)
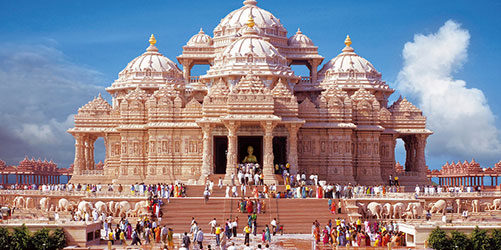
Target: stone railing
point(305, 79)
point(194, 79)
point(461, 194)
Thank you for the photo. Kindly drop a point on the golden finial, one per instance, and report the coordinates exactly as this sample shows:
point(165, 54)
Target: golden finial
point(250, 22)
point(347, 41)
point(153, 40)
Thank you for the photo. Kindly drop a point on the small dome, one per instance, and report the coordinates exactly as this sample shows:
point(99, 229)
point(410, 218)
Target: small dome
point(150, 67)
point(251, 44)
point(233, 22)
point(299, 40)
point(349, 61)
point(250, 52)
point(200, 39)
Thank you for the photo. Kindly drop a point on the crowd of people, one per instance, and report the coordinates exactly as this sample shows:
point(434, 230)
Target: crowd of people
point(162, 190)
point(438, 190)
point(146, 231)
point(225, 232)
point(340, 233)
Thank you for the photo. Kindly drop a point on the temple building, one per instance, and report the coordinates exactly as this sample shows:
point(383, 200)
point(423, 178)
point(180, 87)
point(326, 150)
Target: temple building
point(33, 172)
point(165, 125)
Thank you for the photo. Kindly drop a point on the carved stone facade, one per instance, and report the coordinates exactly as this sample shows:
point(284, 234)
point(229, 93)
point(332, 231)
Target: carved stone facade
point(165, 125)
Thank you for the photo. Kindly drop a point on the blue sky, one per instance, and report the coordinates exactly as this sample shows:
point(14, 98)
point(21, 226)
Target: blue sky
point(89, 42)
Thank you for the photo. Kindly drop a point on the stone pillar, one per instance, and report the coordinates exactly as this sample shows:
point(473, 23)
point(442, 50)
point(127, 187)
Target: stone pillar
point(186, 70)
point(420, 155)
point(92, 166)
point(409, 153)
point(207, 149)
point(231, 156)
point(292, 151)
point(79, 163)
point(268, 170)
point(314, 70)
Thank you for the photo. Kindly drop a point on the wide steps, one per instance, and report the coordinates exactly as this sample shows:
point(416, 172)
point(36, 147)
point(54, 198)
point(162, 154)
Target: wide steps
point(295, 214)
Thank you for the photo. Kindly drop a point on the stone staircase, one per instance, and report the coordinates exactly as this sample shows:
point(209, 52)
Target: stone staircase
point(296, 215)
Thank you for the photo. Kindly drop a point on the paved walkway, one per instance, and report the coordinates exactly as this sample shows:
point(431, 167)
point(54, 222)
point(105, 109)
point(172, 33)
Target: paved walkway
point(284, 242)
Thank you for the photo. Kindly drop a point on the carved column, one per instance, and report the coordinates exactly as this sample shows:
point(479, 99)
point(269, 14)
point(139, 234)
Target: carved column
point(186, 69)
point(86, 153)
point(420, 156)
point(231, 157)
point(268, 171)
point(292, 152)
point(79, 163)
point(409, 153)
point(92, 163)
point(314, 70)
point(206, 155)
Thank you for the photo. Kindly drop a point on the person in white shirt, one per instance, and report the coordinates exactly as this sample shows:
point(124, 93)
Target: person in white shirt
point(220, 183)
point(212, 225)
point(274, 227)
point(234, 191)
point(243, 190)
point(227, 191)
point(417, 189)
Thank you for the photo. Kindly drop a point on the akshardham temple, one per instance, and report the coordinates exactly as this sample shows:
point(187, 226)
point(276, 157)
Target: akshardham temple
point(165, 125)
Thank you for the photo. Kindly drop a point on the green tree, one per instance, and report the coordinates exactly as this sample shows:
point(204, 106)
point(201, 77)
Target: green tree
point(495, 240)
point(480, 239)
point(5, 239)
point(460, 241)
point(40, 239)
point(439, 240)
point(57, 239)
point(21, 238)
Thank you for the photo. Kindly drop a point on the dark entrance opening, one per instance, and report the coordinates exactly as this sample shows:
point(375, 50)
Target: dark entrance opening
point(279, 151)
point(220, 150)
point(256, 142)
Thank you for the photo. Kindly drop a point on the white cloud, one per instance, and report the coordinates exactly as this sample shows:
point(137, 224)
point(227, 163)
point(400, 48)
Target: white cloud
point(40, 90)
point(460, 117)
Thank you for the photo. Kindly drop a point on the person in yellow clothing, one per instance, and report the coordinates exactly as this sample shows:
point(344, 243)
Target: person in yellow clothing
point(110, 239)
point(359, 224)
point(122, 238)
point(218, 234)
point(247, 231)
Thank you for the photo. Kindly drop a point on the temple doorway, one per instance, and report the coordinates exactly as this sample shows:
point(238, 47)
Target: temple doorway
point(256, 142)
point(279, 151)
point(220, 151)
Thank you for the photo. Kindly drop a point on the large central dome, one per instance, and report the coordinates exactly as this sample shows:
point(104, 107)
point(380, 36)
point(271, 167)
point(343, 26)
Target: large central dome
point(266, 24)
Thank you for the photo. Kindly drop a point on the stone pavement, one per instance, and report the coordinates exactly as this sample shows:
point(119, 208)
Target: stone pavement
point(279, 242)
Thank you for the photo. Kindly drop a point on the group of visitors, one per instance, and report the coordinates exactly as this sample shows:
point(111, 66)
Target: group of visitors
point(438, 190)
point(146, 231)
point(340, 233)
point(250, 173)
point(225, 232)
point(252, 206)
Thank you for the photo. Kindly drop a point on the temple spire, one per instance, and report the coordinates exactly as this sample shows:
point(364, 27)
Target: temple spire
point(347, 41)
point(250, 22)
point(152, 40)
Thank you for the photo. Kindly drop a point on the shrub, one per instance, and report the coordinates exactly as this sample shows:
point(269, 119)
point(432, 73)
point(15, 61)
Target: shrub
point(21, 238)
point(40, 239)
point(495, 240)
point(460, 241)
point(5, 239)
point(439, 240)
point(57, 239)
point(480, 239)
